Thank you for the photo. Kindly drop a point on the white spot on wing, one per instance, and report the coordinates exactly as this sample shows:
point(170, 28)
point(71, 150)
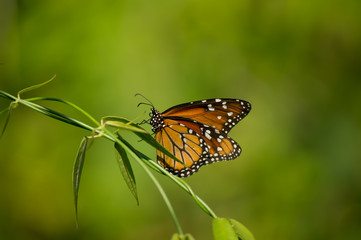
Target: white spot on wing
point(208, 136)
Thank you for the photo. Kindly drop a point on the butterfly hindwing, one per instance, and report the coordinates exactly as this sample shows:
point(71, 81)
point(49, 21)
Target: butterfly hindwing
point(184, 143)
point(195, 144)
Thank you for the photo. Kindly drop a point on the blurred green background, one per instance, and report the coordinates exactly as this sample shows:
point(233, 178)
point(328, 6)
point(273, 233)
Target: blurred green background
point(297, 62)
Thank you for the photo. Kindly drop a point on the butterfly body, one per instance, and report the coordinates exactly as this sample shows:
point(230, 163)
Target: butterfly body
point(196, 133)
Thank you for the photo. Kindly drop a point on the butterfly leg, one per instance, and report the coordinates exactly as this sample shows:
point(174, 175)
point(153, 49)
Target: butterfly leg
point(143, 122)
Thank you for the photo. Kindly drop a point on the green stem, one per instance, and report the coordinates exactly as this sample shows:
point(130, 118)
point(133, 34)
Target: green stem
point(113, 138)
point(66, 102)
point(107, 133)
point(185, 187)
point(165, 198)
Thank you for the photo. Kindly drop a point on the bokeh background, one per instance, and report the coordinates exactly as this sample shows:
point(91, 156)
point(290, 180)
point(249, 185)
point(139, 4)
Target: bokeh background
point(297, 62)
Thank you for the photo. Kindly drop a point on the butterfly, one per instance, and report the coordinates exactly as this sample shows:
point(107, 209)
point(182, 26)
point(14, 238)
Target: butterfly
point(196, 133)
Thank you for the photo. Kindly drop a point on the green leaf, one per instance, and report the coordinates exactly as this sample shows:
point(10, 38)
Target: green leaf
point(66, 103)
point(126, 170)
point(54, 114)
point(78, 166)
point(9, 110)
point(7, 95)
point(35, 86)
point(241, 231)
point(139, 154)
point(222, 230)
point(122, 123)
point(176, 236)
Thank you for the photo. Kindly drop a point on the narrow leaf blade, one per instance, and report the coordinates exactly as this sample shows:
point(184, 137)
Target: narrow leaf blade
point(222, 230)
point(124, 126)
point(9, 110)
point(35, 86)
point(77, 169)
point(241, 231)
point(139, 154)
point(126, 170)
point(122, 123)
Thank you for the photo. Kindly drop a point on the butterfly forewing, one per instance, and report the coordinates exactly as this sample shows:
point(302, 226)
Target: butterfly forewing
point(222, 114)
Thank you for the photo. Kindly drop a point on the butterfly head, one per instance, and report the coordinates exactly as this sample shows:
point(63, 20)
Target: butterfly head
point(156, 120)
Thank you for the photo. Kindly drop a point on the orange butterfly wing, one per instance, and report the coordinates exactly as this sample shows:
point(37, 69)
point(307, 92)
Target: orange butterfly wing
point(196, 133)
point(222, 114)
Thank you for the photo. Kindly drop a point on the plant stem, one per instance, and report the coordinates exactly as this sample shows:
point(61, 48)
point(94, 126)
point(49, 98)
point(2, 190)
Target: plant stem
point(107, 134)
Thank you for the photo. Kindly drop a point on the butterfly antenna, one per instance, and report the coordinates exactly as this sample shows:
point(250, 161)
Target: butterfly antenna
point(149, 102)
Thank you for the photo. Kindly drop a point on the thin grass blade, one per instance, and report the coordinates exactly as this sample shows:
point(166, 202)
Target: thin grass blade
point(77, 169)
point(7, 95)
point(7, 118)
point(126, 170)
point(46, 111)
point(66, 103)
point(54, 114)
point(222, 230)
point(139, 154)
point(122, 123)
point(35, 86)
